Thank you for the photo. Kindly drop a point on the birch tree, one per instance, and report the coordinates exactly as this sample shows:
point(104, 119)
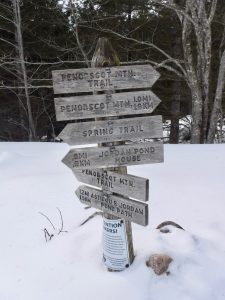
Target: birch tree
point(196, 18)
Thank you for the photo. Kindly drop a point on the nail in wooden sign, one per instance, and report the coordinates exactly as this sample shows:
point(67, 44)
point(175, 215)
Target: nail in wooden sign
point(120, 207)
point(105, 105)
point(112, 130)
point(124, 155)
point(100, 79)
point(126, 185)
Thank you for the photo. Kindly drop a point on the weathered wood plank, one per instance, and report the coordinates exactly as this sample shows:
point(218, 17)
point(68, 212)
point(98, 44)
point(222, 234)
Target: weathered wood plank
point(100, 79)
point(124, 155)
point(127, 209)
point(112, 130)
point(126, 185)
point(105, 105)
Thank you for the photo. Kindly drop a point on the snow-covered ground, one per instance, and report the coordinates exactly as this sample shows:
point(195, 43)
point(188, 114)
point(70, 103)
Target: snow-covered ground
point(189, 189)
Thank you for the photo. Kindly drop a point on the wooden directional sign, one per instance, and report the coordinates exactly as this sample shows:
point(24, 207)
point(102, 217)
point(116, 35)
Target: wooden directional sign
point(124, 155)
point(126, 185)
point(112, 130)
point(100, 79)
point(105, 105)
point(127, 209)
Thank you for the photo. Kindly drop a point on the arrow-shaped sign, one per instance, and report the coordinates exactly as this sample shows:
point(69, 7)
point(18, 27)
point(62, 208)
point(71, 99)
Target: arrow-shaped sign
point(105, 105)
point(124, 155)
point(112, 130)
point(126, 185)
point(100, 79)
point(127, 209)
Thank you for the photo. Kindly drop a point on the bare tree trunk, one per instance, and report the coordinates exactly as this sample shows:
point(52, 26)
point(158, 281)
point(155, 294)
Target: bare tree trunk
point(217, 112)
point(23, 71)
point(175, 111)
point(196, 25)
point(22, 115)
point(217, 106)
point(129, 19)
point(176, 90)
point(192, 79)
point(196, 18)
point(196, 128)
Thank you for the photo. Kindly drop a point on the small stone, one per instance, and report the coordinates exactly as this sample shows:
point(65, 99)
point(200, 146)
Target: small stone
point(159, 263)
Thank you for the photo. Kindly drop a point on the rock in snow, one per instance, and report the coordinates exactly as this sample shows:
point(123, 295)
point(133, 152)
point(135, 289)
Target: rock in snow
point(159, 263)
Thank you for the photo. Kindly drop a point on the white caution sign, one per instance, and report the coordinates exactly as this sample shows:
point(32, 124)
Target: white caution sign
point(115, 246)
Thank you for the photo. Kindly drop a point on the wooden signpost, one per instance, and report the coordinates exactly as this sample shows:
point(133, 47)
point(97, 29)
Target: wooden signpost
point(115, 138)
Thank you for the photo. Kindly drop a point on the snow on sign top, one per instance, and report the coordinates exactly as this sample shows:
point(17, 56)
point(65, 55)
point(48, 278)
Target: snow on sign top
point(100, 79)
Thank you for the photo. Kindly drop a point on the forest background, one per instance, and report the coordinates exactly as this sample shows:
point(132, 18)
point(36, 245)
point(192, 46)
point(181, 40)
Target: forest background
point(182, 39)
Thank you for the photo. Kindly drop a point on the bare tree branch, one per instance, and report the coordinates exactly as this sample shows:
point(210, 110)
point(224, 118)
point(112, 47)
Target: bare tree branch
point(8, 20)
point(3, 87)
point(76, 33)
point(212, 11)
point(171, 5)
point(149, 44)
point(8, 42)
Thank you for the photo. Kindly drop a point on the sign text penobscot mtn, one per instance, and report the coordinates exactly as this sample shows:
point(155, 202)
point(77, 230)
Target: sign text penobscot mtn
point(100, 79)
point(105, 105)
point(126, 185)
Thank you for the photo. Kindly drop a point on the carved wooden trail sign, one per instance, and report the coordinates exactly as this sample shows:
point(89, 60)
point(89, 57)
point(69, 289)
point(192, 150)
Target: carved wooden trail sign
point(121, 125)
point(112, 130)
point(127, 209)
point(127, 185)
point(100, 79)
point(124, 155)
point(105, 105)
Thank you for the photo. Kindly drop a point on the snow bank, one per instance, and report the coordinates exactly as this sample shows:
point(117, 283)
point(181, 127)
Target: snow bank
point(189, 188)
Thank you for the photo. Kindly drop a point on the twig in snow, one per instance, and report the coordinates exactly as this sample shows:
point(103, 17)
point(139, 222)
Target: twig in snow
point(87, 207)
point(97, 213)
point(48, 236)
point(47, 219)
point(61, 229)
